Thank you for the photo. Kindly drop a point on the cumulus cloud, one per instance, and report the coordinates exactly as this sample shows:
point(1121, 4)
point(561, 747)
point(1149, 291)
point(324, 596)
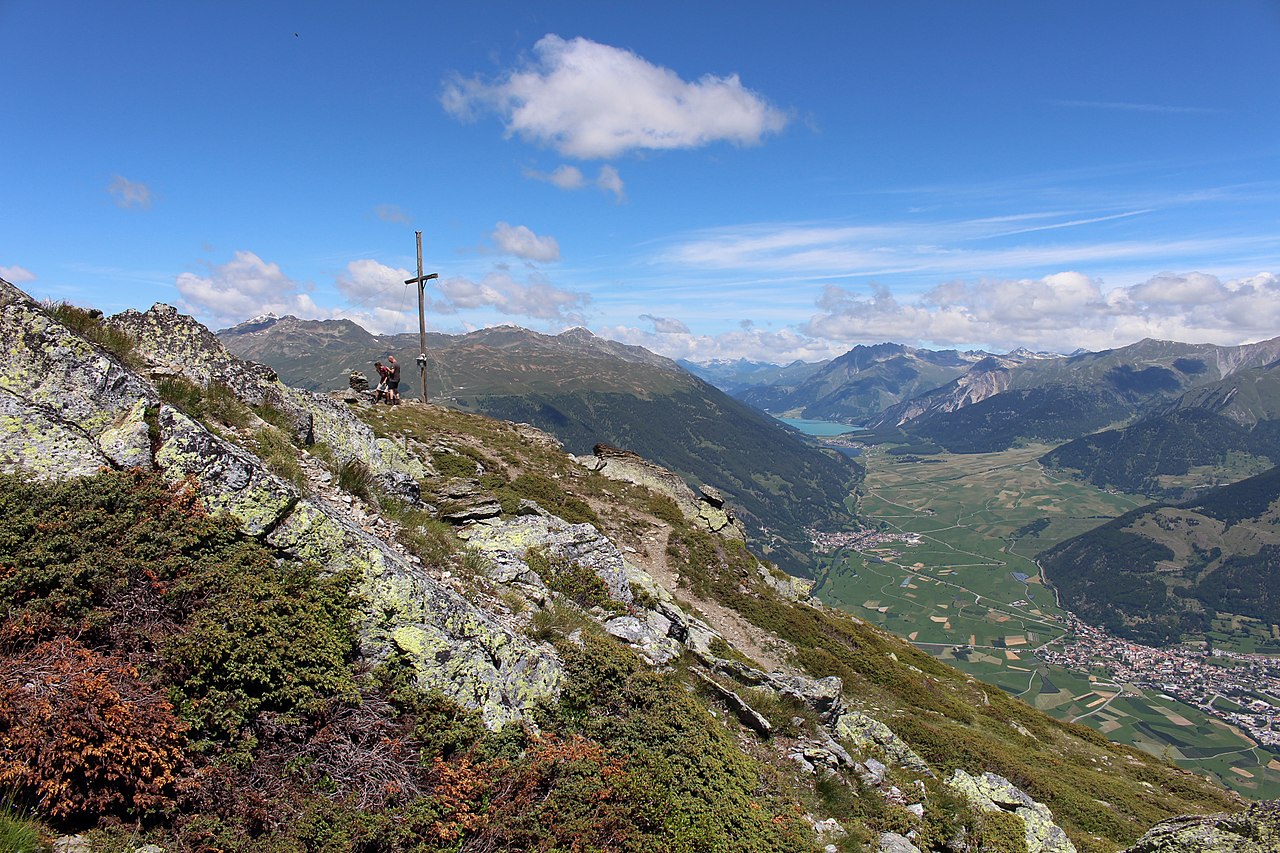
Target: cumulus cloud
point(520, 241)
point(1060, 312)
point(571, 178)
point(666, 325)
point(244, 287)
point(16, 274)
point(594, 101)
point(391, 213)
point(367, 282)
point(781, 346)
point(129, 193)
point(498, 290)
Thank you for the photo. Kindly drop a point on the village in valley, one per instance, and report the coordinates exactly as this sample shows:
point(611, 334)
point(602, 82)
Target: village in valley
point(1226, 685)
point(1242, 690)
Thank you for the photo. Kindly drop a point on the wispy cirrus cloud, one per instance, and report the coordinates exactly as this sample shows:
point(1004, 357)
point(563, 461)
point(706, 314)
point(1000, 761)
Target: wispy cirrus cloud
point(16, 274)
point(391, 213)
point(594, 101)
point(1126, 106)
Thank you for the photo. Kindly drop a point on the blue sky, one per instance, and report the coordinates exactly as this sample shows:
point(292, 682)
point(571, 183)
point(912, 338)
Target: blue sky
point(709, 180)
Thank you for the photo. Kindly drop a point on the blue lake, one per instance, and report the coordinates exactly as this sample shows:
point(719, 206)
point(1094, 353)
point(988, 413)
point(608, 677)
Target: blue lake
point(819, 428)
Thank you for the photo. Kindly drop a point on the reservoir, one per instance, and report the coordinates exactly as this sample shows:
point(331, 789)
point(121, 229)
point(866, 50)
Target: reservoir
point(819, 428)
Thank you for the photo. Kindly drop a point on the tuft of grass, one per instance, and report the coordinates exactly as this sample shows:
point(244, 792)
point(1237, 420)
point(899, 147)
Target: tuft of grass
point(556, 622)
point(275, 449)
point(357, 478)
point(89, 324)
point(19, 835)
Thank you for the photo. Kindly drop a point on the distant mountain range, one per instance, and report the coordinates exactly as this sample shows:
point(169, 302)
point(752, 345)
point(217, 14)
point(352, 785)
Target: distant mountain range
point(1165, 570)
point(585, 390)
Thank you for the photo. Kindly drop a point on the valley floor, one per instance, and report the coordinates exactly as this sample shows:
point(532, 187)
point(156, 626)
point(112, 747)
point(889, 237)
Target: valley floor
point(950, 567)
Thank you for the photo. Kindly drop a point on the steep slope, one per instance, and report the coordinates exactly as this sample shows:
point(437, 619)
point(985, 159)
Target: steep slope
point(305, 713)
point(1165, 570)
point(1125, 381)
point(586, 390)
point(861, 383)
point(1213, 434)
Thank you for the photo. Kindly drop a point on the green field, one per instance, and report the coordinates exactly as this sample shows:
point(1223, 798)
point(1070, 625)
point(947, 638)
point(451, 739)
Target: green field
point(969, 593)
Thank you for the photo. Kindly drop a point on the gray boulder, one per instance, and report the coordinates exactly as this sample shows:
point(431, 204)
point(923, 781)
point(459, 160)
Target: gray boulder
point(990, 792)
point(1255, 830)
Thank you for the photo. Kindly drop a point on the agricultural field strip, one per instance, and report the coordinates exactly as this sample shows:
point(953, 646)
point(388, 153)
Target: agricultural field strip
point(986, 560)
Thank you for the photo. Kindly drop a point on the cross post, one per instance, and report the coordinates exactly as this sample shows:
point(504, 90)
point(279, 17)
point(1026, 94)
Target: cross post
point(421, 281)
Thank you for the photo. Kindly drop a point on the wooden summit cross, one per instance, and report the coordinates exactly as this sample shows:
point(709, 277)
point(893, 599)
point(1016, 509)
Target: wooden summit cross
point(421, 281)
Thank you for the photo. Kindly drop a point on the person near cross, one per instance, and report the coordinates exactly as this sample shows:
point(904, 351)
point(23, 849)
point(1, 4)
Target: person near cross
point(393, 381)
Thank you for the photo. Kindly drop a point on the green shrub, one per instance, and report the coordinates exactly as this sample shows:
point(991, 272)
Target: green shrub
point(574, 581)
point(666, 509)
point(453, 464)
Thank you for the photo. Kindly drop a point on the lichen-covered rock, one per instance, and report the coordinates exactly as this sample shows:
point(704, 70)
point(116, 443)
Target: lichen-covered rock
point(787, 586)
point(1255, 830)
point(892, 842)
point(38, 445)
point(54, 370)
point(507, 542)
point(707, 509)
point(652, 642)
point(823, 695)
point(174, 343)
point(990, 792)
point(231, 480)
point(128, 444)
point(72, 409)
point(867, 733)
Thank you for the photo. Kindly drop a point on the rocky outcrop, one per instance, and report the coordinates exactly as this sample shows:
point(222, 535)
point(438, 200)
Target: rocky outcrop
point(659, 629)
point(989, 792)
point(1255, 830)
point(67, 409)
point(866, 733)
point(706, 509)
point(174, 344)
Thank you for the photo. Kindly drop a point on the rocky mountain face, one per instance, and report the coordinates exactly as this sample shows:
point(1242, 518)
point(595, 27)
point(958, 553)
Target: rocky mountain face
point(1091, 389)
point(862, 383)
point(736, 376)
point(586, 390)
point(544, 651)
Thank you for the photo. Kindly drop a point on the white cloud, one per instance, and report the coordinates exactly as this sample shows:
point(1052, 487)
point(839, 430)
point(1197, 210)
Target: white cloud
point(782, 346)
point(244, 287)
point(593, 101)
point(666, 325)
point(16, 274)
point(129, 193)
point(498, 290)
point(391, 213)
point(610, 181)
point(564, 177)
point(1057, 312)
point(367, 282)
point(571, 178)
point(520, 241)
